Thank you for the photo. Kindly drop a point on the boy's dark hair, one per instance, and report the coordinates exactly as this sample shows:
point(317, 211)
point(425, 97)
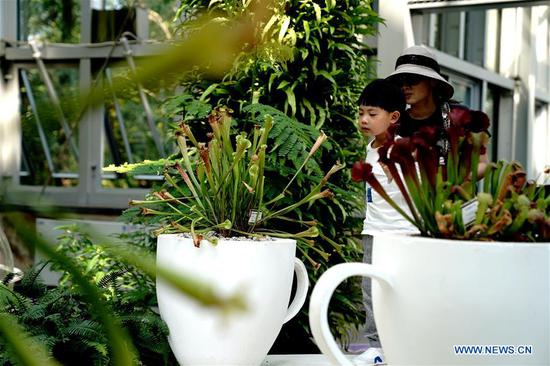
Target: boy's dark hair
point(383, 94)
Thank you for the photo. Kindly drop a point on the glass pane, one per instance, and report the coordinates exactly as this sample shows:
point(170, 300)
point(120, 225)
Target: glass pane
point(463, 92)
point(51, 20)
point(448, 33)
point(108, 4)
point(542, 44)
point(127, 133)
point(474, 37)
point(160, 14)
point(492, 40)
point(490, 106)
point(111, 18)
point(52, 159)
point(541, 133)
point(433, 30)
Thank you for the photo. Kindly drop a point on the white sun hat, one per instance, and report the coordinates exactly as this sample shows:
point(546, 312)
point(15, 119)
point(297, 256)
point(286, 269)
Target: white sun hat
point(418, 60)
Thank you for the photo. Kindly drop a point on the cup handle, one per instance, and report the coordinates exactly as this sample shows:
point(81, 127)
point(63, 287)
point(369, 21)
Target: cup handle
point(17, 273)
point(320, 298)
point(302, 285)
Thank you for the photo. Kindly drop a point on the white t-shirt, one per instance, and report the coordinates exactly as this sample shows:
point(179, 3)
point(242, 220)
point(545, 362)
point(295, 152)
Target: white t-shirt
point(380, 216)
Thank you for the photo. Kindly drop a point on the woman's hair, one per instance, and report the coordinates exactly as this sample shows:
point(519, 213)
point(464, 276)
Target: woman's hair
point(439, 93)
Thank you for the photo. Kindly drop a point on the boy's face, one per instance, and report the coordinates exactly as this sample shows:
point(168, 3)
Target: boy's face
point(374, 121)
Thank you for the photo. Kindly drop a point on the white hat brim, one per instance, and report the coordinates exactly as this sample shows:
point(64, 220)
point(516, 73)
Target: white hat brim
point(426, 72)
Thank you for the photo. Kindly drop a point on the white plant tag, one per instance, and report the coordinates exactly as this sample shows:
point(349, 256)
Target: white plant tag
point(254, 217)
point(469, 210)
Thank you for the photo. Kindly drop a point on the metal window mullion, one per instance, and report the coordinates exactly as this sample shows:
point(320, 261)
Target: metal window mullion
point(90, 140)
point(433, 29)
point(547, 81)
point(461, 35)
point(143, 97)
point(41, 133)
point(484, 98)
point(10, 126)
point(484, 95)
point(8, 20)
point(499, 36)
point(142, 22)
point(85, 21)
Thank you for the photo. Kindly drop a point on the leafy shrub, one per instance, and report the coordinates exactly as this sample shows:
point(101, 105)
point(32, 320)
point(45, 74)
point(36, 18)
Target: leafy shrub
point(312, 66)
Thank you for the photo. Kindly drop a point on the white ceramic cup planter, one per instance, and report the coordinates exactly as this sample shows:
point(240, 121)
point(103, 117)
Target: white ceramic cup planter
point(431, 296)
point(16, 273)
point(261, 270)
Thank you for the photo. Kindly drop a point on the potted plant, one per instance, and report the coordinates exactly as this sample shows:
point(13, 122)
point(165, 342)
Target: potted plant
point(211, 216)
point(474, 286)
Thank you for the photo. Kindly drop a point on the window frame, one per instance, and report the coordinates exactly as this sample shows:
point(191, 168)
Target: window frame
point(88, 193)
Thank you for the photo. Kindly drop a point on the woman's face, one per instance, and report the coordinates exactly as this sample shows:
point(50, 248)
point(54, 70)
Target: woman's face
point(419, 90)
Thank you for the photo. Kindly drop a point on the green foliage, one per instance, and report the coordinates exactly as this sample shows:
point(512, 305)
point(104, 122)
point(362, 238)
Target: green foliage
point(218, 189)
point(146, 167)
point(320, 81)
point(291, 140)
point(51, 20)
point(61, 319)
point(20, 346)
point(101, 268)
point(311, 65)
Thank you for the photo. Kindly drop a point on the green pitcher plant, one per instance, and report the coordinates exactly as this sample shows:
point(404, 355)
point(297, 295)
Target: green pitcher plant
point(215, 189)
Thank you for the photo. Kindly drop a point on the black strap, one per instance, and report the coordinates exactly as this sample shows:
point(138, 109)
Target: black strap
point(418, 60)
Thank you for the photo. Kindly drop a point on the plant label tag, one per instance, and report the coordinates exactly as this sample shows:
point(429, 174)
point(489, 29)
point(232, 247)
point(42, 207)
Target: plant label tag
point(469, 210)
point(254, 217)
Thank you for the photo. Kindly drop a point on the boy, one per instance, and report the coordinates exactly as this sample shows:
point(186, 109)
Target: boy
point(381, 104)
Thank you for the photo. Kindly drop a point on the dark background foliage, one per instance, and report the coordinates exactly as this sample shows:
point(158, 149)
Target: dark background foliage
point(61, 320)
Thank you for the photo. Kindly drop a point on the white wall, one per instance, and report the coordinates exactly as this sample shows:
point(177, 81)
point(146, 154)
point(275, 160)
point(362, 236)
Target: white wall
point(394, 36)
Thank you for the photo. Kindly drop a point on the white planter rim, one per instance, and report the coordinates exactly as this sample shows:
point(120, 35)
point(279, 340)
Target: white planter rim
point(449, 242)
point(241, 240)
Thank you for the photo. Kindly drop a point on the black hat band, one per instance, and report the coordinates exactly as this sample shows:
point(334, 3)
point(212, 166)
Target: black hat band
point(418, 60)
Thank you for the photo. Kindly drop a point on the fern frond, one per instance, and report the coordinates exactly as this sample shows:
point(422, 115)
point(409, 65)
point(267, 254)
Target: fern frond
point(34, 313)
point(291, 139)
point(86, 329)
point(110, 278)
point(289, 145)
point(48, 341)
point(100, 348)
point(31, 279)
point(12, 301)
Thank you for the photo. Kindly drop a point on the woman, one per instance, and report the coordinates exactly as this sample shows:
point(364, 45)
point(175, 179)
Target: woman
point(428, 95)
